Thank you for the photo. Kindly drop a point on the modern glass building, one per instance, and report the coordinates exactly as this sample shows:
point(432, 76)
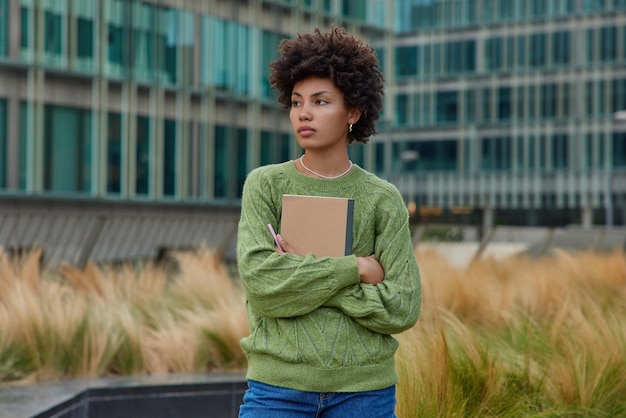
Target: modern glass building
point(119, 117)
point(496, 111)
point(149, 100)
point(505, 111)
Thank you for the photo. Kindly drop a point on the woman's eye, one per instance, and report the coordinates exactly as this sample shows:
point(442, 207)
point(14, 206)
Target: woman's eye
point(295, 103)
point(322, 102)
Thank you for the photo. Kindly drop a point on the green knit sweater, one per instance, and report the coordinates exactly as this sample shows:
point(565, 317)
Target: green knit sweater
point(314, 325)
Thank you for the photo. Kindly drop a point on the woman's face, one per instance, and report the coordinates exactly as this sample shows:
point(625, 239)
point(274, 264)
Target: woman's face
point(319, 116)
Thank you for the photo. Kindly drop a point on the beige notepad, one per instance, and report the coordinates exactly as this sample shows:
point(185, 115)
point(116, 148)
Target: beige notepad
point(318, 225)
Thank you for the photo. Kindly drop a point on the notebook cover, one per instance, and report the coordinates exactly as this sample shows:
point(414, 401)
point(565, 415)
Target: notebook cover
point(319, 225)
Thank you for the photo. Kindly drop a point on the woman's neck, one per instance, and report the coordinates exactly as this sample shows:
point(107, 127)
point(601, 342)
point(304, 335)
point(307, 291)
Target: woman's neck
point(327, 167)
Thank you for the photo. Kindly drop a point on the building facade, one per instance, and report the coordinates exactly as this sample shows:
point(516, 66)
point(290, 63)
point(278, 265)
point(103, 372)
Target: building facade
point(507, 111)
point(151, 107)
point(496, 111)
point(156, 100)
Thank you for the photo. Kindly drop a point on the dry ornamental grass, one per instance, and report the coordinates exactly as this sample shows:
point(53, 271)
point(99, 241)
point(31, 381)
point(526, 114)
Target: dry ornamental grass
point(508, 338)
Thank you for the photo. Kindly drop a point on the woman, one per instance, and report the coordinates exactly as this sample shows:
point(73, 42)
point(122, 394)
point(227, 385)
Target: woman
point(321, 341)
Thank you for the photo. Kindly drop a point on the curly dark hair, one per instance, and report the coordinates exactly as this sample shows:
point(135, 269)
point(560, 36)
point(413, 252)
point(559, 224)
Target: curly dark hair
point(351, 64)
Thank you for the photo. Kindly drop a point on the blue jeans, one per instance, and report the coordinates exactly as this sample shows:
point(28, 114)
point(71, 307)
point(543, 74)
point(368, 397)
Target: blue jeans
point(266, 401)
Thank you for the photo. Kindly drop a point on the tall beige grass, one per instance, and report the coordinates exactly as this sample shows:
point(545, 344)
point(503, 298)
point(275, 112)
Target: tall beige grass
point(518, 337)
point(118, 320)
point(508, 338)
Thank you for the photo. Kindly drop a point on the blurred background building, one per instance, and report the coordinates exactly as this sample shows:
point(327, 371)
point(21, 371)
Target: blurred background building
point(127, 127)
point(508, 109)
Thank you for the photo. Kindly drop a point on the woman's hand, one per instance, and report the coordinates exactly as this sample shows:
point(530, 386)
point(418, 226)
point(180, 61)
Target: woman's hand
point(370, 270)
point(286, 248)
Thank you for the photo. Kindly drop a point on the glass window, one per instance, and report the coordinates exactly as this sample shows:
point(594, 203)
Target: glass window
point(402, 109)
point(267, 154)
point(4, 26)
point(354, 9)
point(55, 30)
point(269, 53)
point(453, 57)
point(539, 8)
point(619, 149)
point(168, 40)
point(560, 48)
point(447, 106)
point(274, 147)
point(198, 166)
point(593, 5)
point(538, 49)
point(3, 144)
point(438, 155)
point(618, 95)
point(220, 162)
point(589, 151)
point(470, 106)
point(495, 154)
point(142, 156)
point(380, 53)
point(84, 39)
point(406, 61)
point(376, 12)
point(242, 64)
point(590, 45)
point(488, 10)
point(533, 109)
point(589, 108)
point(426, 59)
point(509, 56)
point(170, 157)
point(493, 51)
point(379, 162)
point(469, 56)
point(504, 103)
point(521, 52)
point(486, 100)
point(144, 37)
point(242, 159)
point(608, 44)
point(114, 153)
point(565, 99)
point(117, 38)
point(541, 146)
point(67, 149)
point(520, 107)
point(519, 154)
point(356, 151)
point(24, 143)
point(548, 100)
point(411, 15)
point(600, 150)
point(602, 93)
point(175, 45)
point(560, 152)
point(532, 153)
point(221, 67)
point(506, 9)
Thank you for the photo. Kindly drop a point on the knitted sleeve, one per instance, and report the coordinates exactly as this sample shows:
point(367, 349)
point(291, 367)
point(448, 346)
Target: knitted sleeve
point(393, 305)
point(282, 285)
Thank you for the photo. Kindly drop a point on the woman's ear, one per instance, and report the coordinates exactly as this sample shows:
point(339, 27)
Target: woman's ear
point(354, 115)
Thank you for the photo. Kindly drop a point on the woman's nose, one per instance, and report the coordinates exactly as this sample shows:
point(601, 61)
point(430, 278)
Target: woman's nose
point(305, 112)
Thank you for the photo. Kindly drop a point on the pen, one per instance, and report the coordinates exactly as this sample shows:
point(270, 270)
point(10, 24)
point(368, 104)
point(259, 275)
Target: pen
point(269, 226)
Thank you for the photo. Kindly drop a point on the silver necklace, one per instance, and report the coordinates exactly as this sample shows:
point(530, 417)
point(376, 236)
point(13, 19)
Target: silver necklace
point(323, 176)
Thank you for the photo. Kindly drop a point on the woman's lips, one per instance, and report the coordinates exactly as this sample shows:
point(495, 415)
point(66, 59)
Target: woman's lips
point(306, 131)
